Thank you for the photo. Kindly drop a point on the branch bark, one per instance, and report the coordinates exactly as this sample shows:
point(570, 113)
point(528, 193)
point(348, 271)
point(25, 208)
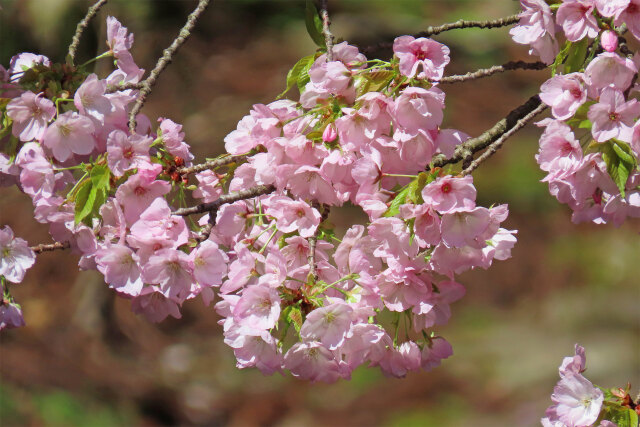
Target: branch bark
point(326, 31)
point(82, 25)
point(486, 72)
point(473, 145)
point(212, 207)
point(432, 31)
point(497, 144)
point(165, 59)
point(212, 164)
point(49, 247)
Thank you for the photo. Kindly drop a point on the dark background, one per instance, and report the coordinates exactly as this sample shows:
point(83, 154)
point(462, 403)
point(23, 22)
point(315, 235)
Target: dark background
point(84, 359)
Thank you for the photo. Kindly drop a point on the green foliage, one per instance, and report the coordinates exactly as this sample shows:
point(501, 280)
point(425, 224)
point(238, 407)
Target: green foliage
point(314, 24)
point(92, 193)
point(375, 81)
point(576, 56)
point(619, 160)
point(622, 416)
point(298, 74)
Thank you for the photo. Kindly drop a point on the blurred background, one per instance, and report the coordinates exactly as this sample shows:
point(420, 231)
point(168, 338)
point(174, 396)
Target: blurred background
point(85, 360)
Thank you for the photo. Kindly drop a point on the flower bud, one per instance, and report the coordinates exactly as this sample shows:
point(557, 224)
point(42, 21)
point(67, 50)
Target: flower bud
point(609, 41)
point(329, 133)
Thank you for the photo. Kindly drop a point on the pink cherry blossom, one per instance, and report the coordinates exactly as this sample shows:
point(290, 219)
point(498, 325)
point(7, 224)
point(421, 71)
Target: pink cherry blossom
point(292, 215)
point(332, 77)
point(559, 148)
point(120, 267)
point(10, 316)
point(536, 20)
point(156, 228)
point(422, 58)
point(209, 264)
point(171, 270)
point(15, 256)
point(418, 108)
point(564, 94)
point(125, 152)
point(449, 194)
point(140, 190)
point(434, 351)
point(577, 20)
point(91, 101)
point(576, 401)
point(258, 307)
point(623, 11)
point(573, 364)
point(328, 324)
point(312, 361)
point(173, 139)
point(154, 305)
point(119, 40)
point(70, 134)
point(462, 227)
point(609, 69)
point(609, 41)
point(30, 114)
point(612, 117)
point(24, 61)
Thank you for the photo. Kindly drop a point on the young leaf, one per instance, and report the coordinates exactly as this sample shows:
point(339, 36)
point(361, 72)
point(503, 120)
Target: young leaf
point(576, 56)
point(619, 161)
point(85, 198)
point(400, 199)
point(295, 318)
point(298, 72)
point(314, 24)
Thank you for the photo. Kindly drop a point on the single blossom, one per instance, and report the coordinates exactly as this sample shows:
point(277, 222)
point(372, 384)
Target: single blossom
point(577, 20)
point(15, 256)
point(125, 152)
point(422, 58)
point(70, 134)
point(612, 117)
point(30, 114)
point(564, 94)
point(10, 315)
point(449, 194)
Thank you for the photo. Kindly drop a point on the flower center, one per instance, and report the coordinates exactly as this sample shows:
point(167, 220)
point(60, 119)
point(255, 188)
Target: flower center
point(140, 191)
point(614, 117)
point(446, 188)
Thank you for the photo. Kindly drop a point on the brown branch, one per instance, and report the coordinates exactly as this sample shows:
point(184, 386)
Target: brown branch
point(328, 37)
point(212, 207)
point(125, 86)
point(497, 144)
point(48, 247)
point(313, 240)
point(432, 31)
point(473, 145)
point(82, 25)
point(165, 60)
point(212, 164)
point(485, 72)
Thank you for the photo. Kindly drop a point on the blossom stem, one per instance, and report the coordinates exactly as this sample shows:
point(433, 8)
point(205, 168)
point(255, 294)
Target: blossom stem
point(103, 55)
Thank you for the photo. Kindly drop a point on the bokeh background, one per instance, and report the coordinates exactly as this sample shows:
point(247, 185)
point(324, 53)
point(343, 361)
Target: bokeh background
point(85, 360)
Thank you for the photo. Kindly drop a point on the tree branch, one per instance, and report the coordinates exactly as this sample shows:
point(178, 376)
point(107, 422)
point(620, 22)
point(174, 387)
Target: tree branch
point(165, 60)
point(485, 72)
point(432, 31)
point(82, 25)
point(313, 240)
point(212, 164)
point(227, 198)
point(473, 145)
point(328, 37)
point(48, 247)
point(497, 144)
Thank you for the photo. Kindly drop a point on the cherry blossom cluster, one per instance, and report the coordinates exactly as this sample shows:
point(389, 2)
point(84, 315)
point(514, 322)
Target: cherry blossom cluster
point(590, 148)
point(293, 295)
point(578, 403)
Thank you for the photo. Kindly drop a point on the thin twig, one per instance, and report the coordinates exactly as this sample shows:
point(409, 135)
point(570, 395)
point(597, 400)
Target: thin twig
point(432, 31)
point(122, 87)
point(82, 25)
point(212, 207)
point(313, 240)
point(212, 164)
point(48, 247)
point(165, 60)
point(485, 72)
point(497, 144)
point(328, 37)
point(473, 145)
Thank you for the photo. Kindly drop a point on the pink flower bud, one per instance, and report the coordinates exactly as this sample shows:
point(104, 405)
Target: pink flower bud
point(609, 41)
point(329, 133)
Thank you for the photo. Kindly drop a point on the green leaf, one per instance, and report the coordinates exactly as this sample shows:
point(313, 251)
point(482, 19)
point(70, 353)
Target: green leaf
point(314, 24)
point(622, 416)
point(400, 199)
point(619, 160)
point(585, 124)
point(294, 317)
point(576, 56)
point(100, 175)
point(560, 57)
point(85, 198)
point(375, 81)
point(298, 73)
